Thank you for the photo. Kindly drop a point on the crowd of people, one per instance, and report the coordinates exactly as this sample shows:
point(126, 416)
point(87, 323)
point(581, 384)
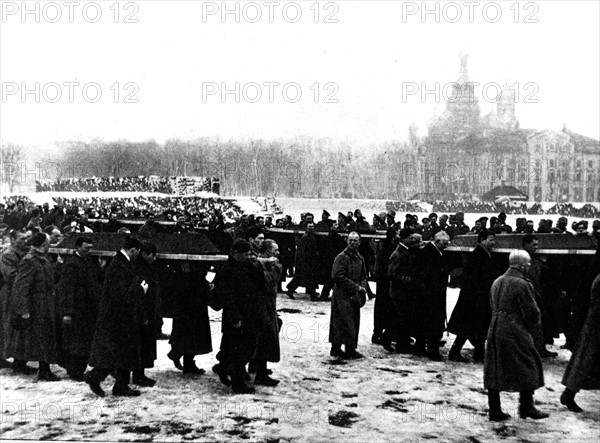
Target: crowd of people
point(156, 184)
point(515, 208)
point(81, 312)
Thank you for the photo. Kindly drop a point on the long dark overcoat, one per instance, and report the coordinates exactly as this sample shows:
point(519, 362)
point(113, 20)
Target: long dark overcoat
point(349, 275)
point(191, 333)
point(432, 277)
point(151, 303)
point(512, 362)
point(307, 261)
point(9, 264)
point(583, 370)
point(384, 310)
point(268, 336)
point(33, 293)
point(239, 286)
point(117, 337)
point(403, 288)
point(332, 244)
point(79, 291)
point(471, 315)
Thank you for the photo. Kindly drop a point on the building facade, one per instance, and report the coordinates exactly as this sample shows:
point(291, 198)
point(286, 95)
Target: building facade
point(466, 154)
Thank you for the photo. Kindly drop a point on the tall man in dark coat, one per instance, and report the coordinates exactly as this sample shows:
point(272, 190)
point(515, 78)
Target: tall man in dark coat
point(117, 339)
point(403, 292)
point(471, 316)
point(432, 278)
point(384, 309)
point(9, 264)
point(349, 294)
point(538, 276)
point(191, 334)
point(512, 362)
point(146, 271)
point(34, 304)
point(307, 264)
point(583, 371)
point(239, 284)
point(79, 292)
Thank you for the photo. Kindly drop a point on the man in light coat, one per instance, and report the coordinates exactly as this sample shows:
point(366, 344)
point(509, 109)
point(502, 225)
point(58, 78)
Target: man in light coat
point(512, 362)
point(349, 292)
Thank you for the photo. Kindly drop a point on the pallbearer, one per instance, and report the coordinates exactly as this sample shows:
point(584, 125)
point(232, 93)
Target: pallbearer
point(79, 292)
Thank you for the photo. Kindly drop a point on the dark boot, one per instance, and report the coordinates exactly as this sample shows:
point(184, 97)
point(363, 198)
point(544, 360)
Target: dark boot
point(240, 383)
point(495, 413)
point(45, 374)
point(176, 359)
point(222, 373)
point(20, 367)
point(568, 399)
point(121, 387)
point(262, 375)
point(433, 350)
point(4, 364)
point(94, 383)
point(457, 346)
point(140, 379)
point(336, 351)
point(352, 354)
point(189, 366)
point(527, 409)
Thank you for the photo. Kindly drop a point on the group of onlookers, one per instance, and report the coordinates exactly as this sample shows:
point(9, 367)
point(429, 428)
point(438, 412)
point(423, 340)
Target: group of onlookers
point(163, 185)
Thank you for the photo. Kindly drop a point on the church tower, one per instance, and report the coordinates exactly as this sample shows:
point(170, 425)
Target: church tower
point(462, 106)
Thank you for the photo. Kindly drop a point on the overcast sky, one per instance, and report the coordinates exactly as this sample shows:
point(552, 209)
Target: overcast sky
point(362, 54)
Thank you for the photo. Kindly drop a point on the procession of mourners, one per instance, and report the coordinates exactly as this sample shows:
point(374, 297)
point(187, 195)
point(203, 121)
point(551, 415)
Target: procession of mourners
point(100, 317)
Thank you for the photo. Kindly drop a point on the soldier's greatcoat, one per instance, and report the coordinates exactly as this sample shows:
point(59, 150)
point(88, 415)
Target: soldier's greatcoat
point(33, 293)
point(512, 362)
point(349, 275)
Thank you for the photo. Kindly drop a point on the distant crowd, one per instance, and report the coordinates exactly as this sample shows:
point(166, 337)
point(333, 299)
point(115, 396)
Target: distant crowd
point(82, 214)
point(163, 185)
point(567, 209)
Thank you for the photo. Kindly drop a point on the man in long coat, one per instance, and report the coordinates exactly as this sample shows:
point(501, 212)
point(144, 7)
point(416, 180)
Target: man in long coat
point(583, 371)
point(79, 291)
point(117, 339)
point(512, 362)
point(145, 268)
point(267, 349)
point(383, 313)
point(9, 264)
point(34, 305)
point(307, 264)
point(239, 283)
point(403, 292)
point(191, 334)
point(350, 278)
point(471, 316)
point(432, 277)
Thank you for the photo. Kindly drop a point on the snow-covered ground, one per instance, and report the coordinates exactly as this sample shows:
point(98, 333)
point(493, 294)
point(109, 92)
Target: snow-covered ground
point(383, 397)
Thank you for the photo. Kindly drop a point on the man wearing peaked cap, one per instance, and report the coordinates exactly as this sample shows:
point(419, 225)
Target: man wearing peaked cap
point(325, 222)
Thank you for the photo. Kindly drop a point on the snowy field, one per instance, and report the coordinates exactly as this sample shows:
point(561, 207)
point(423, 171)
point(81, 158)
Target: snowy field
point(383, 397)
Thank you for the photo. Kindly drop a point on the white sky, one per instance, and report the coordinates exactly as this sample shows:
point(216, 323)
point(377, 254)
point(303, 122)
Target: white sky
point(368, 54)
